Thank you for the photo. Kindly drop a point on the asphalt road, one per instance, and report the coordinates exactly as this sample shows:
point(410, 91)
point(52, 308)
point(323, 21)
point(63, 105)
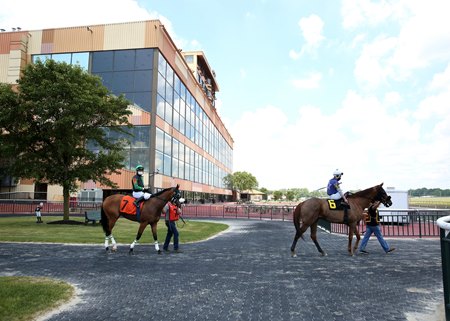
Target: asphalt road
point(246, 273)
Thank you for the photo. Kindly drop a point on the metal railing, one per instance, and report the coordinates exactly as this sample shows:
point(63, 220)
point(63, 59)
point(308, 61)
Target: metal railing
point(261, 212)
point(24, 206)
point(444, 226)
point(401, 223)
point(395, 223)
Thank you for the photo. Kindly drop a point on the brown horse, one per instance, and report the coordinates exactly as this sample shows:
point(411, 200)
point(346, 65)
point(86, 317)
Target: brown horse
point(311, 210)
point(150, 214)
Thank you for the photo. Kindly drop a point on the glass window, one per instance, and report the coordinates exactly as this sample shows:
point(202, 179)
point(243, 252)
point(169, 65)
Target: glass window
point(175, 165)
point(161, 86)
point(175, 148)
point(123, 82)
point(160, 109)
point(189, 59)
point(140, 156)
point(65, 57)
point(159, 140)
point(141, 136)
point(168, 114)
point(167, 144)
point(181, 170)
point(124, 60)
point(143, 80)
point(162, 64)
point(81, 59)
point(169, 94)
point(107, 79)
point(169, 75)
point(42, 58)
point(143, 100)
point(102, 61)
point(144, 59)
point(159, 161)
point(167, 162)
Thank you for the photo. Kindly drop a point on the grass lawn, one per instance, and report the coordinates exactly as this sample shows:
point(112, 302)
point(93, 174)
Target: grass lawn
point(24, 298)
point(25, 229)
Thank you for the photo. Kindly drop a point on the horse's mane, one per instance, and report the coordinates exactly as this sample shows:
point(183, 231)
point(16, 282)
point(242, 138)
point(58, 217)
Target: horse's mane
point(364, 191)
point(160, 192)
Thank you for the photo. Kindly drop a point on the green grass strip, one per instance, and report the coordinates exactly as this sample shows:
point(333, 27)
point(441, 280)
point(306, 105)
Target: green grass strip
point(24, 298)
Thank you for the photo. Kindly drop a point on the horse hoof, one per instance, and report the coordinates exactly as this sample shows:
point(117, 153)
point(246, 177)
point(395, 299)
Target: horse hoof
point(324, 254)
point(131, 252)
point(106, 249)
point(159, 252)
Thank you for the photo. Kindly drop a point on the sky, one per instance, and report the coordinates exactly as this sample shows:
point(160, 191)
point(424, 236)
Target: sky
point(307, 87)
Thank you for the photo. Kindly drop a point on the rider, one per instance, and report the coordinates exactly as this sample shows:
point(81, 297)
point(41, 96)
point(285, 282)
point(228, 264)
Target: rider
point(334, 190)
point(138, 186)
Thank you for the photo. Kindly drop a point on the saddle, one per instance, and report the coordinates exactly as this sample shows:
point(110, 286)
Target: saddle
point(339, 205)
point(127, 206)
point(336, 205)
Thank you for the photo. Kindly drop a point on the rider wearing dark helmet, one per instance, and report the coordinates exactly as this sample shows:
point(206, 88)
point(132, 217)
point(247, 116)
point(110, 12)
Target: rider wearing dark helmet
point(138, 186)
point(333, 188)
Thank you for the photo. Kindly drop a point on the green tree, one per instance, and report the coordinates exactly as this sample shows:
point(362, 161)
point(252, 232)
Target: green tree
point(277, 195)
point(265, 191)
point(240, 181)
point(48, 119)
point(291, 194)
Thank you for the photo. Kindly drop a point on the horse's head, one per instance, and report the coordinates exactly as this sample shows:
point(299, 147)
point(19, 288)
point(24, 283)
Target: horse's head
point(382, 196)
point(176, 195)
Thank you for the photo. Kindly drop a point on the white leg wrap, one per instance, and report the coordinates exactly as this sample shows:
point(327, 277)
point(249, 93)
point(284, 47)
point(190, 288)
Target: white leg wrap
point(133, 244)
point(106, 241)
point(156, 246)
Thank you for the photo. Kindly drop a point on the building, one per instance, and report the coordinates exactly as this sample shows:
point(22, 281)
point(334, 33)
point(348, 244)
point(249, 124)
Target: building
point(178, 135)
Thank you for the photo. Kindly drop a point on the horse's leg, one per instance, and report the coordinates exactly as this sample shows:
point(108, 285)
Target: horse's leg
point(108, 233)
point(155, 236)
point(358, 238)
point(142, 227)
point(298, 234)
point(314, 238)
point(351, 229)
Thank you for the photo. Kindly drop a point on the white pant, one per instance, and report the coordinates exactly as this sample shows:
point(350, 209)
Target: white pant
point(335, 196)
point(139, 194)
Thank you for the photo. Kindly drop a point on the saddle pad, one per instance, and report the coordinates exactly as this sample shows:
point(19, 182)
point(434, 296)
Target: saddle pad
point(335, 204)
point(127, 206)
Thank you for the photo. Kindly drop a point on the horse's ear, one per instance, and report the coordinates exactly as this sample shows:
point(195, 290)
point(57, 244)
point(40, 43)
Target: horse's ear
point(178, 186)
point(381, 184)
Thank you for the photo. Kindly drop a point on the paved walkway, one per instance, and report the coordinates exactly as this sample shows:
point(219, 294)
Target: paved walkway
point(245, 273)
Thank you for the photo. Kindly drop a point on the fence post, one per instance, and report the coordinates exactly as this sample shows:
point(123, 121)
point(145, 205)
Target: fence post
point(445, 253)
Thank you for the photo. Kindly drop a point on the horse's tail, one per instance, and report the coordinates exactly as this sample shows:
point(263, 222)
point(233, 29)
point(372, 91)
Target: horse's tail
point(105, 221)
point(297, 216)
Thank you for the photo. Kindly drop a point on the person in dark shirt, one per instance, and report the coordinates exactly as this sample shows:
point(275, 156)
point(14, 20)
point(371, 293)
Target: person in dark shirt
point(372, 227)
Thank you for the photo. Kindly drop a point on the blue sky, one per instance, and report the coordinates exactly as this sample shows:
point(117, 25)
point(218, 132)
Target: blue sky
point(308, 86)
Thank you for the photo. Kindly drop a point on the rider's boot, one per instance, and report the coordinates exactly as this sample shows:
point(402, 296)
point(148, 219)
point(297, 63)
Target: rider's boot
point(138, 200)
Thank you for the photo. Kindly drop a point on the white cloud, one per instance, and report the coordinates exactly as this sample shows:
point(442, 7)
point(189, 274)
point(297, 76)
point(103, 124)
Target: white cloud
point(363, 137)
point(366, 12)
point(372, 67)
point(311, 28)
point(441, 80)
point(310, 82)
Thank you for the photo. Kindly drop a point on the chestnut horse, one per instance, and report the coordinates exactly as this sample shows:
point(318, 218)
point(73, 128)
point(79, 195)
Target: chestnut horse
point(311, 210)
point(150, 214)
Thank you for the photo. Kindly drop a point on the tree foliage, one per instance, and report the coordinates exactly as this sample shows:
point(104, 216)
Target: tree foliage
point(48, 119)
point(240, 181)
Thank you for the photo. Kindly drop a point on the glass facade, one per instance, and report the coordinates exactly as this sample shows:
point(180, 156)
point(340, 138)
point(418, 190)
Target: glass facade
point(130, 72)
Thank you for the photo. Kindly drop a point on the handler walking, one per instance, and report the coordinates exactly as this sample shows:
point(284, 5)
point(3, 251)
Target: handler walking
point(172, 214)
point(372, 227)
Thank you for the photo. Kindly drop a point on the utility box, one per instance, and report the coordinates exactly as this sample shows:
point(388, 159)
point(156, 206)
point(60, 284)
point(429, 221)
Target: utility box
point(398, 211)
